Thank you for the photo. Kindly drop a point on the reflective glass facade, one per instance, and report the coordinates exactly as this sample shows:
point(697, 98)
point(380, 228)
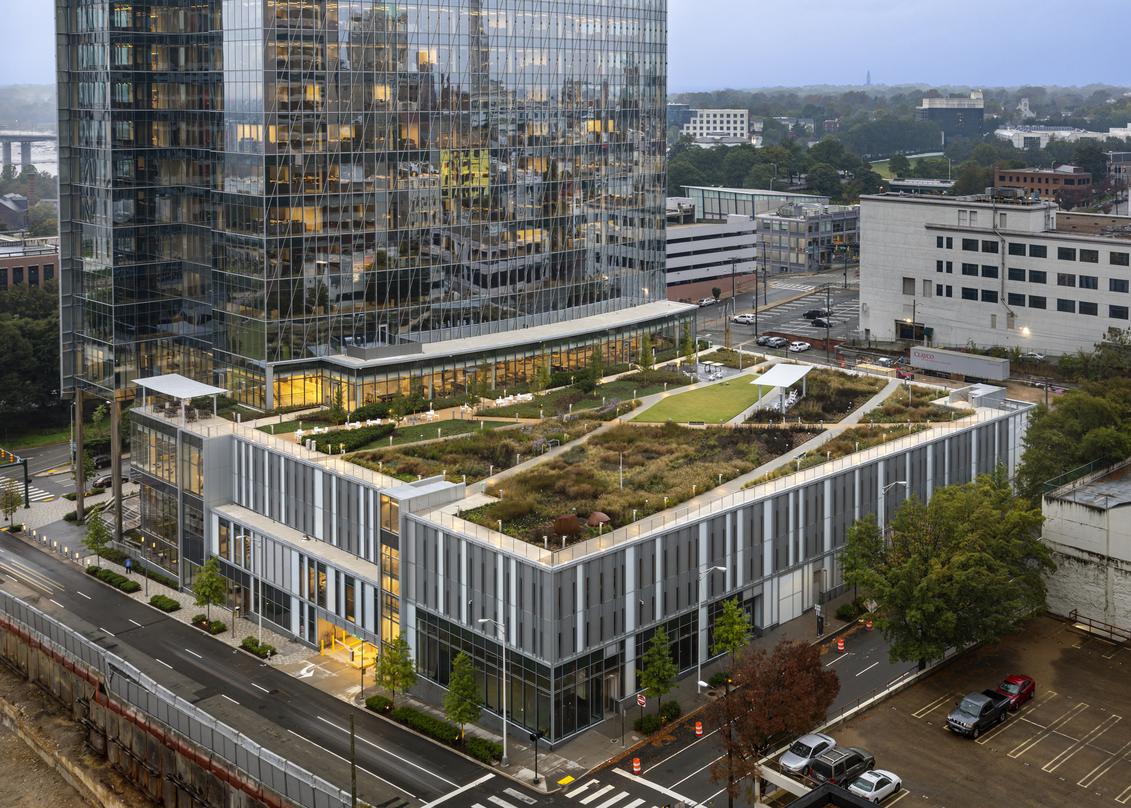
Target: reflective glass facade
point(251, 182)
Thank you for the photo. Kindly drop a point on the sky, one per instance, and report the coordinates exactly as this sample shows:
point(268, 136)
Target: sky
point(714, 44)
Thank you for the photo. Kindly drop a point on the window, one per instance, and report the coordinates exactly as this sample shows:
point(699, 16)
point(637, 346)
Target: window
point(989, 246)
point(989, 296)
point(950, 266)
point(989, 271)
point(1117, 312)
point(926, 288)
point(1037, 302)
point(1001, 220)
point(1117, 284)
point(1016, 248)
point(1066, 305)
point(1090, 256)
point(1016, 274)
point(1089, 308)
point(962, 218)
point(939, 242)
point(1038, 251)
point(970, 244)
point(970, 269)
point(1089, 282)
point(969, 294)
point(909, 286)
point(1015, 299)
point(1065, 279)
point(949, 291)
point(1038, 276)
point(973, 218)
point(1120, 259)
point(938, 290)
point(950, 242)
point(938, 266)
point(1066, 253)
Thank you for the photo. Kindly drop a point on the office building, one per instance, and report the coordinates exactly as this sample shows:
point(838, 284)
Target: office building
point(679, 115)
point(27, 263)
point(956, 117)
point(807, 237)
point(700, 251)
point(731, 124)
point(1070, 182)
point(991, 270)
point(902, 185)
point(301, 199)
point(1088, 528)
point(1119, 166)
point(13, 212)
point(1037, 137)
point(716, 204)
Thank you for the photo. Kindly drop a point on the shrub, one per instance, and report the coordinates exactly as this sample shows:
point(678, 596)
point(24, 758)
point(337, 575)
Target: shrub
point(114, 579)
point(718, 679)
point(648, 724)
point(70, 495)
point(260, 649)
point(670, 711)
point(16, 527)
point(426, 724)
point(847, 612)
point(379, 704)
point(483, 750)
point(164, 603)
point(214, 627)
point(70, 516)
point(129, 586)
point(97, 490)
point(353, 439)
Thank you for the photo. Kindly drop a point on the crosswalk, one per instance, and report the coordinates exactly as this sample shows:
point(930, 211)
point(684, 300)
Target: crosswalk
point(34, 494)
point(593, 794)
point(792, 286)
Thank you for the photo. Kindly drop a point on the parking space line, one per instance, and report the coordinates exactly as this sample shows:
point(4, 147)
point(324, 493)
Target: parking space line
point(677, 752)
point(1102, 769)
point(934, 705)
point(1021, 716)
point(1075, 747)
point(1124, 796)
point(1053, 725)
point(903, 792)
point(874, 664)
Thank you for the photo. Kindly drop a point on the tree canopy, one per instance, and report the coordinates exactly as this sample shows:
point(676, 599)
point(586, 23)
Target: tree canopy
point(966, 567)
point(210, 586)
point(658, 671)
point(396, 671)
point(461, 702)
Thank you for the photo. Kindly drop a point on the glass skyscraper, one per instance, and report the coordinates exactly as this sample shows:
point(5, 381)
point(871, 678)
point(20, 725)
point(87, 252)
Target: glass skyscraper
point(299, 200)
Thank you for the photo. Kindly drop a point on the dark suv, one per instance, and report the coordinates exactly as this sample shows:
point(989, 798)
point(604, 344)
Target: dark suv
point(841, 765)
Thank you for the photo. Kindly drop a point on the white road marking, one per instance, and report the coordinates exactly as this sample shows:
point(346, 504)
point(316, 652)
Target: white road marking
point(837, 659)
point(88, 597)
point(139, 625)
point(701, 768)
point(632, 804)
point(673, 754)
point(57, 603)
point(1055, 724)
point(106, 631)
point(927, 708)
point(874, 664)
point(903, 792)
point(346, 760)
point(1102, 769)
point(390, 754)
point(458, 791)
point(194, 653)
point(261, 687)
point(609, 803)
point(499, 801)
point(901, 677)
point(1095, 732)
point(1124, 796)
point(596, 795)
point(163, 662)
point(229, 698)
point(580, 790)
point(675, 795)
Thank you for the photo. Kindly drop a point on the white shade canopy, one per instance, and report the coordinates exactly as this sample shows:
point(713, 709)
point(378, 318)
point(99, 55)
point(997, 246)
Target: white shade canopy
point(782, 375)
point(177, 386)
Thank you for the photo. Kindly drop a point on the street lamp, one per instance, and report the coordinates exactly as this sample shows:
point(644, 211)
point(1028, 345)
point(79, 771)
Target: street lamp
point(501, 629)
point(883, 501)
point(702, 628)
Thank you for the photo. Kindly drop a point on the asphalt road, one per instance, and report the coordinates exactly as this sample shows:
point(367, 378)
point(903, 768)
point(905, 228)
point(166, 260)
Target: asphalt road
point(305, 724)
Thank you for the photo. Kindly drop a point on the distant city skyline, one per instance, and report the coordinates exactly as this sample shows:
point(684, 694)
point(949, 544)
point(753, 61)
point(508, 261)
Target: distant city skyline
point(715, 45)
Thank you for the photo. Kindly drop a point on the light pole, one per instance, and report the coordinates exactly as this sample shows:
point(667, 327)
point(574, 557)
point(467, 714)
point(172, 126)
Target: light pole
point(501, 630)
point(883, 502)
point(703, 628)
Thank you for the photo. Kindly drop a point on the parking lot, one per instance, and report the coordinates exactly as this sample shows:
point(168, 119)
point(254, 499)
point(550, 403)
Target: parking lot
point(1070, 745)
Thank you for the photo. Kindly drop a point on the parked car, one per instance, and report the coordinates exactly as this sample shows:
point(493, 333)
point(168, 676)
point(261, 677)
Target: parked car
point(904, 373)
point(977, 712)
point(743, 319)
point(842, 764)
point(101, 461)
point(801, 754)
point(822, 322)
point(763, 340)
point(799, 346)
point(106, 480)
point(777, 342)
point(809, 315)
point(886, 362)
point(1018, 688)
point(875, 785)
point(707, 301)
point(1032, 356)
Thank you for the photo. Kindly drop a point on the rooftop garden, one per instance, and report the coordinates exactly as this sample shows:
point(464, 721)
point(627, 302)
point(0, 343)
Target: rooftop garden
point(662, 466)
point(477, 454)
point(848, 441)
point(731, 359)
point(713, 404)
point(912, 402)
point(584, 395)
point(830, 395)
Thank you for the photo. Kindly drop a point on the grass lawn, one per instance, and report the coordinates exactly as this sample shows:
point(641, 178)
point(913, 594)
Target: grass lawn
point(47, 436)
point(731, 359)
point(883, 168)
point(557, 402)
point(439, 429)
point(716, 404)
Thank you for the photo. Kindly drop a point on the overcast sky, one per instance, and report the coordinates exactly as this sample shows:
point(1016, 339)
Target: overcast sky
point(763, 43)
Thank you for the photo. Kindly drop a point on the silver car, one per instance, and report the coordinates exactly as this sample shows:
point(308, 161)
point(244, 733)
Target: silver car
point(801, 753)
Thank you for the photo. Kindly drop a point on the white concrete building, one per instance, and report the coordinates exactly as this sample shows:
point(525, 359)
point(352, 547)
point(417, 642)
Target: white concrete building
point(1037, 137)
point(718, 123)
point(706, 250)
point(1088, 528)
point(1005, 270)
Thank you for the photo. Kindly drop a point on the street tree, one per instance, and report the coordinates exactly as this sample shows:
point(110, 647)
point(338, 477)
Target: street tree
point(647, 355)
point(732, 632)
point(589, 378)
point(966, 567)
point(688, 346)
point(97, 537)
point(716, 293)
point(210, 587)
point(461, 702)
point(396, 671)
point(777, 693)
point(659, 671)
point(899, 166)
point(10, 501)
point(823, 179)
point(541, 379)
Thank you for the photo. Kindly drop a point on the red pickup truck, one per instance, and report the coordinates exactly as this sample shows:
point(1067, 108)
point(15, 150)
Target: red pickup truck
point(1018, 688)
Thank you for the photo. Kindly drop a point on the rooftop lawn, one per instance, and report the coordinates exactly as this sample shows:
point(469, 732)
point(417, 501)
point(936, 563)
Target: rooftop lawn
point(624, 389)
point(830, 395)
point(731, 359)
point(714, 404)
point(913, 403)
point(476, 454)
point(669, 461)
point(848, 441)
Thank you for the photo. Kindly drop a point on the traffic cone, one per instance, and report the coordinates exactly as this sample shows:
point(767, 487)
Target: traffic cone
point(840, 645)
point(636, 765)
point(698, 729)
point(868, 624)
